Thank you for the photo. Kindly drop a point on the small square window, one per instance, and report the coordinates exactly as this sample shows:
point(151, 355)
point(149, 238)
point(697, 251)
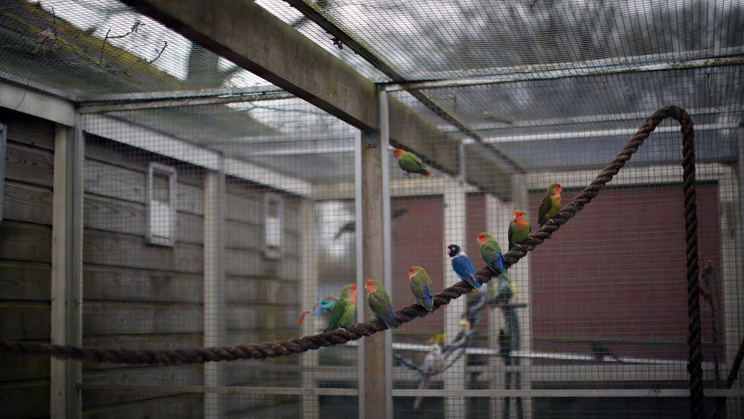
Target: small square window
point(161, 205)
point(273, 225)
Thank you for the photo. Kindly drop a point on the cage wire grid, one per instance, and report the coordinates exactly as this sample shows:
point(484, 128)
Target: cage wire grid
point(258, 187)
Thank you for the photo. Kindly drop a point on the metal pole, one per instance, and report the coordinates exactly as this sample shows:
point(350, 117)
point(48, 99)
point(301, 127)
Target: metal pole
point(386, 237)
point(361, 301)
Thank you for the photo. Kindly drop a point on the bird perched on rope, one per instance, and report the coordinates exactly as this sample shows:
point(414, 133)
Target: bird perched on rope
point(550, 204)
point(421, 287)
point(462, 265)
point(433, 365)
point(344, 309)
point(410, 163)
point(379, 302)
point(519, 229)
point(324, 304)
point(491, 252)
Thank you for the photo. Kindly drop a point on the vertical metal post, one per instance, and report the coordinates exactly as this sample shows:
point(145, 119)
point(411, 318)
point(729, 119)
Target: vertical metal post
point(309, 289)
point(214, 284)
point(3, 138)
point(387, 244)
point(494, 225)
point(361, 300)
point(454, 233)
point(67, 266)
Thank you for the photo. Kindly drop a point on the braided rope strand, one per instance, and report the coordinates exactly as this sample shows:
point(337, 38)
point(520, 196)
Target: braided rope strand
point(407, 314)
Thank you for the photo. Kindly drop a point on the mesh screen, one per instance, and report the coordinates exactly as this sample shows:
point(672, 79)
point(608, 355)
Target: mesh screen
point(235, 220)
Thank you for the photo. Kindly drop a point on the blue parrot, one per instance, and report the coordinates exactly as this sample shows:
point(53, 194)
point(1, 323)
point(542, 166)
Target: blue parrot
point(463, 266)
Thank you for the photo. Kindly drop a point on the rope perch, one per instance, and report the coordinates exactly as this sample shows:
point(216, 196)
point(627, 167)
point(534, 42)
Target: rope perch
point(407, 314)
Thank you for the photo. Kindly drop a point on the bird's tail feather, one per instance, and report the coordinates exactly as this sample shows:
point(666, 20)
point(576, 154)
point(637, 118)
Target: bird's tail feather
point(427, 173)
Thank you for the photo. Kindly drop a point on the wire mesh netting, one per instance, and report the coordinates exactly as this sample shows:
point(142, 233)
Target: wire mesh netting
point(219, 209)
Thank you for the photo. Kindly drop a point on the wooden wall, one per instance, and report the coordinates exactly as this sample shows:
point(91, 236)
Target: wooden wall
point(25, 261)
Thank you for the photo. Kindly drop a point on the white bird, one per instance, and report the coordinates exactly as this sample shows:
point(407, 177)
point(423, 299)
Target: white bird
point(433, 365)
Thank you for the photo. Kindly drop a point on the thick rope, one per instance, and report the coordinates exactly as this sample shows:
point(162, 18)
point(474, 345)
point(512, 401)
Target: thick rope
point(406, 314)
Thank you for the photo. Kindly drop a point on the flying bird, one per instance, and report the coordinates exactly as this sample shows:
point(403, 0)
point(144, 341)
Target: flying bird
point(433, 365)
point(550, 205)
point(379, 302)
point(410, 163)
point(324, 304)
point(462, 265)
point(350, 226)
point(491, 252)
point(519, 229)
point(600, 351)
point(421, 287)
point(344, 309)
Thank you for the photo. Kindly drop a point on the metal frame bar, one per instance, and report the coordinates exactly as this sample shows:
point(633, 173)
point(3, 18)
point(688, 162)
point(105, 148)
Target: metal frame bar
point(67, 266)
point(135, 105)
point(28, 100)
point(214, 282)
point(358, 211)
point(589, 393)
point(3, 150)
point(161, 169)
point(386, 240)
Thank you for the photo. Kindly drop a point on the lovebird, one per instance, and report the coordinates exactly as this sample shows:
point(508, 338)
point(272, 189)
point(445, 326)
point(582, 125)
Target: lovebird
point(421, 287)
point(519, 229)
point(550, 205)
point(344, 309)
point(491, 252)
point(324, 304)
point(379, 302)
point(463, 266)
point(433, 365)
point(410, 163)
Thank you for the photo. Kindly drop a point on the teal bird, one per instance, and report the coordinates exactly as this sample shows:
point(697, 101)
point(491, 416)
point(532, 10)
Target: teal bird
point(491, 252)
point(421, 287)
point(550, 205)
point(410, 163)
point(379, 302)
point(344, 309)
point(519, 229)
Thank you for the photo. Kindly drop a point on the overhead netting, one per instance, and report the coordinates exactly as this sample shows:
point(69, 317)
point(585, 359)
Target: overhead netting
point(219, 209)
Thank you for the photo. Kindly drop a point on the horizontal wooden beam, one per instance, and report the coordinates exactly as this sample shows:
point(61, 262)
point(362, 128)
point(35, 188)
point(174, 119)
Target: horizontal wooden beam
point(32, 102)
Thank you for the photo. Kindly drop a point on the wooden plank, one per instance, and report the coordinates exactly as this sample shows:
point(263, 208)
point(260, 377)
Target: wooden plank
point(122, 318)
point(112, 249)
point(243, 209)
point(26, 129)
point(265, 316)
point(104, 150)
point(245, 290)
point(31, 204)
point(25, 242)
point(186, 406)
point(244, 236)
point(102, 283)
point(129, 185)
point(19, 368)
point(29, 399)
point(241, 262)
point(29, 164)
point(119, 216)
point(244, 189)
point(24, 321)
point(187, 375)
point(24, 281)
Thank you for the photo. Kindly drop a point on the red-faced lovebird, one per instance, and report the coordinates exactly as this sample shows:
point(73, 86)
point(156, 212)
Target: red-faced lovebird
point(324, 304)
point(550, 205)
point(344, 309)
point(421, 287)
point(410, 163)
point(463, 266)
point(491, 252)
point(519, 229)
point(379, 302)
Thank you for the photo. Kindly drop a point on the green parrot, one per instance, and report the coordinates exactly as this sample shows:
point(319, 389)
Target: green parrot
point(519, 229)
point(550, 205)
point(421, 287)
point(344, 309)
point(379, 302)
point(410, 163)
point(491, 252)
